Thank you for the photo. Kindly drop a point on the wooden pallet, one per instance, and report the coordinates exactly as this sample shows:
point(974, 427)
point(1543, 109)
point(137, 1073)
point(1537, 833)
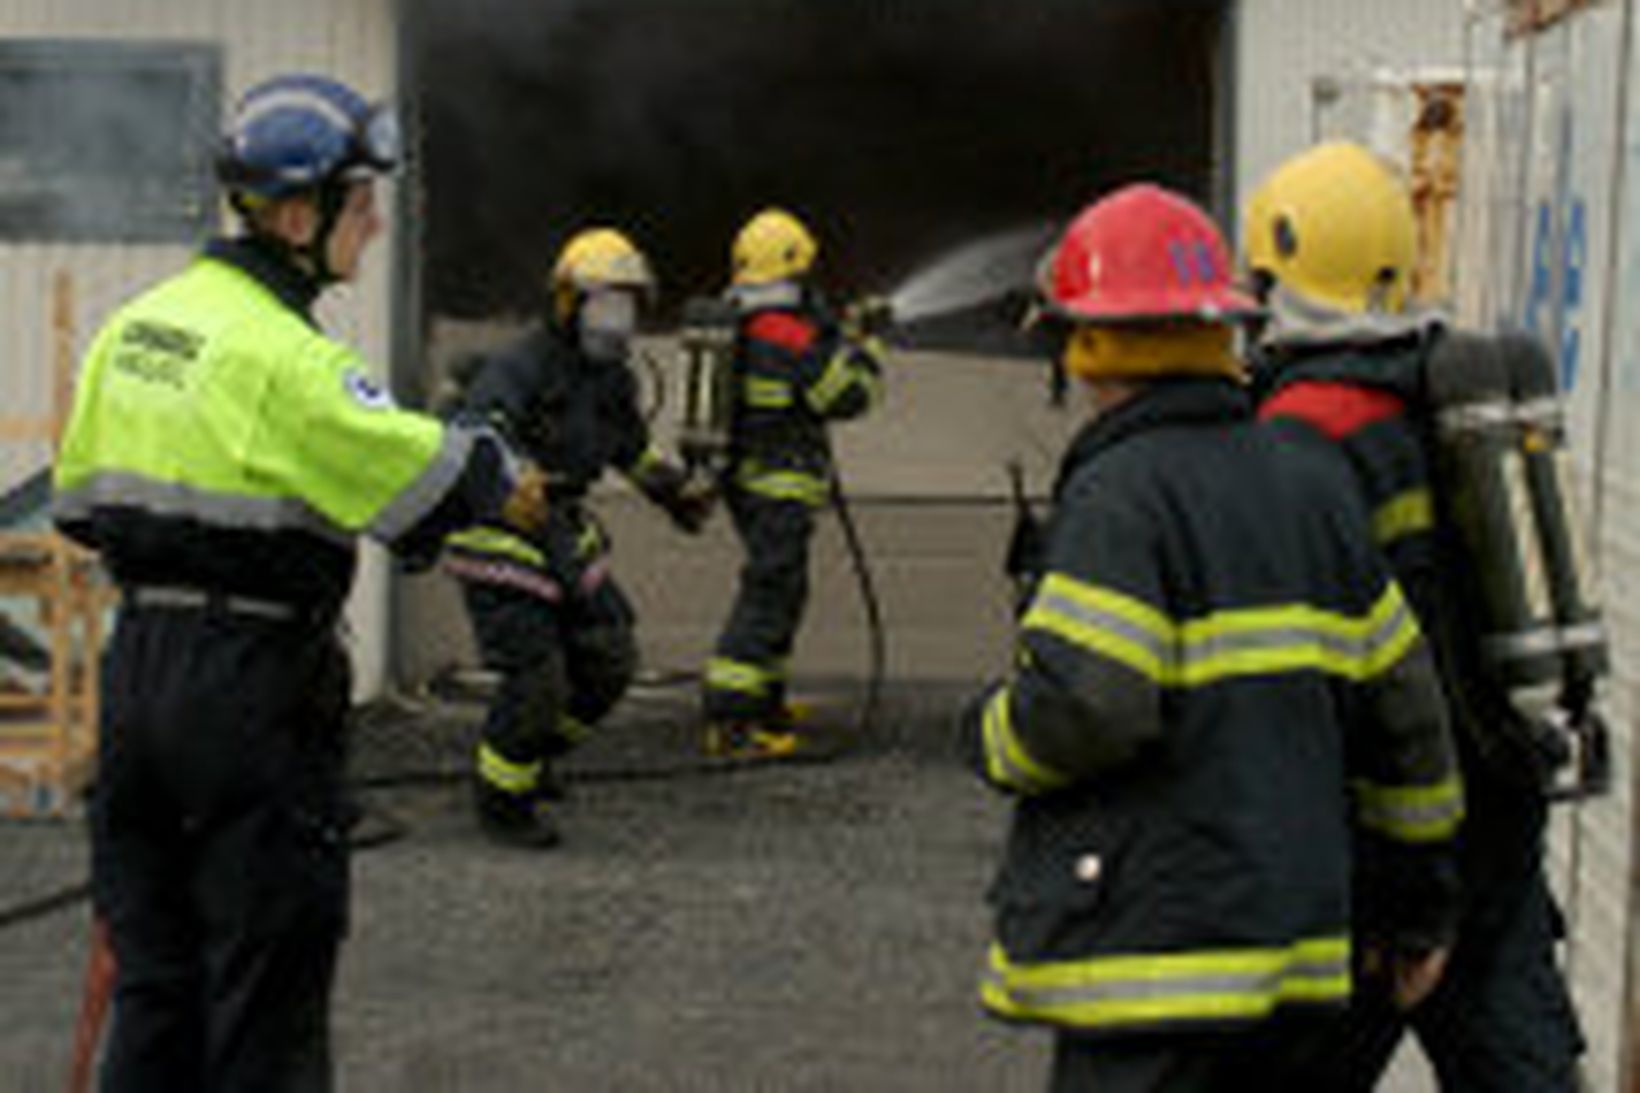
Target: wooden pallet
point(48, 727)
point(48, 731)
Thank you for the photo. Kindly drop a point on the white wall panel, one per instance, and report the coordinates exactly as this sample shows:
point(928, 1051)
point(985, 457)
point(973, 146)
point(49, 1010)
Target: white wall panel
point(1550, 225)
point(354, 40)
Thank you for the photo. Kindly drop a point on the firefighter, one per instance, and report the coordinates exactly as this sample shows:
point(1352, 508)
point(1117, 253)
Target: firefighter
point(1213, 646)
point(1331, 243)
point(547, 615)
point(796, 369)
point(224, 455)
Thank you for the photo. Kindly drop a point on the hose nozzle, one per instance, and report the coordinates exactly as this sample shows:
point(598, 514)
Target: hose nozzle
point(869, 315)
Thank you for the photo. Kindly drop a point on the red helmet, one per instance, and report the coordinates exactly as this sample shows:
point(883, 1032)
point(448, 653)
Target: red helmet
point(1143, 254)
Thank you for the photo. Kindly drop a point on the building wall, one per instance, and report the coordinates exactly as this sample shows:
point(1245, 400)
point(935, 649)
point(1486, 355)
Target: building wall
point(1550, 241)
point(1284, 46)
point(351, 39)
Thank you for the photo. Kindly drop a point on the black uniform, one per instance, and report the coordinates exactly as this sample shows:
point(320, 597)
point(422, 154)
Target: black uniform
point(1501, 1018)
point(546, 612)
point(1214, 651)
point(221, 457)
point(794, 371)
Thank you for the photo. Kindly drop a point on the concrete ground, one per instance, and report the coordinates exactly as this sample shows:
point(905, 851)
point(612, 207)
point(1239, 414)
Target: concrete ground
point(807, 927)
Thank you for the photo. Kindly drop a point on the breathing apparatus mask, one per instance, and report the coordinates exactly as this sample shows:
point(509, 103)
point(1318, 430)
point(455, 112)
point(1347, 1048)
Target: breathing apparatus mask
point(606, 323)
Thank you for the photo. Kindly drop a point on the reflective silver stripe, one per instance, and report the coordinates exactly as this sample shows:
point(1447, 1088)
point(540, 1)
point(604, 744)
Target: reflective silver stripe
point(1411, 813)
point(1542, 413)
point(197, 599)
point(768, 294)
point(466, 568)
point(1544, 640)
point(298, 99)
point(235, 512)
point(423, 495)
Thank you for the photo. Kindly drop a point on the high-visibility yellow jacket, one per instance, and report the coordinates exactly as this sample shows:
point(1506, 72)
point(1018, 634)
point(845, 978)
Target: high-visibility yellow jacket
point(1217, 688)
point(220, 441)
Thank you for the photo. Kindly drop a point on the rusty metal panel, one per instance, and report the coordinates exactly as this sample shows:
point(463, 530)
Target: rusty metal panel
point(1435, 169)
point(1528, 16)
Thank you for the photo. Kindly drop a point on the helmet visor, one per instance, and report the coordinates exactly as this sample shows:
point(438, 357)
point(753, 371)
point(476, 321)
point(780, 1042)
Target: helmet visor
point(381, 142)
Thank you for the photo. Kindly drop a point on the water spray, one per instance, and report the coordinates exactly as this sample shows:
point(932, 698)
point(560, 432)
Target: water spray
point(979, 272)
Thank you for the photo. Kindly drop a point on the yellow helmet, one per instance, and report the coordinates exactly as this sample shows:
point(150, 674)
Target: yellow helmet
point(773, 246)
point(597, 258)
point(1335, 226)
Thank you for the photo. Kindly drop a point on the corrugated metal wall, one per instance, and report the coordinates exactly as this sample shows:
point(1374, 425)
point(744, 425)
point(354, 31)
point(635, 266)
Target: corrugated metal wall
point(1548, 236)
point(1551, 223)
point(352, 39)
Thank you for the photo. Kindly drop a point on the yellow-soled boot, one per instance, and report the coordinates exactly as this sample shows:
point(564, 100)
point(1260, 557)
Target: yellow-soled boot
point(750, 741)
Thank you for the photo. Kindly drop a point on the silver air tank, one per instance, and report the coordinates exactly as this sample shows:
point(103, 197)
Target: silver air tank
point(1501, 441)
point(708, 340)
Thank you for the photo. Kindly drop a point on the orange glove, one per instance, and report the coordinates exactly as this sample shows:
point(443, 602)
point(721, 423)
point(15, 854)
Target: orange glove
point(526, 507)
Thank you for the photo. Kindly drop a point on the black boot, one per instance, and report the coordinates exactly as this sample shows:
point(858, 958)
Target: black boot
point(516, 819)
point(550, 786)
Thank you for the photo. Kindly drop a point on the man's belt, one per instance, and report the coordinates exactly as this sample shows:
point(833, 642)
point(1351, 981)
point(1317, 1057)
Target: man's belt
point(180, 598)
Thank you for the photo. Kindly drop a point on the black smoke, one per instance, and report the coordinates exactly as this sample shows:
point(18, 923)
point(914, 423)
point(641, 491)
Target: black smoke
point(896, 129)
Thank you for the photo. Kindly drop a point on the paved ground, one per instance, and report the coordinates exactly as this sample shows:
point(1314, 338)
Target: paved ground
point(797, 928)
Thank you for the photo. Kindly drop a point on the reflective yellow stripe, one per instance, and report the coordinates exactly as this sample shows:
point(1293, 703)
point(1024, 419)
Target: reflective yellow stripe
point(504, 774)
point(840, 374)
point(1116, 625)
point(724, 674)
point(781, 485)
point(1224, 644)
point(1006, 760)
point(494, 541)
point(1411, 814)
point(1404, 514)
point(590, 541)
point(573, 729)
point(766, 394)
point(1160, 988)
point(648, 461)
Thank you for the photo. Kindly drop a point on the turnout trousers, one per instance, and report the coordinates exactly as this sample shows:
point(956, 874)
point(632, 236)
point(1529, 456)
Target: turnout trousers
point(1283, 1054)
point(1501, 1020)
point(219, 852)
point(563, 665)
point(746, 677)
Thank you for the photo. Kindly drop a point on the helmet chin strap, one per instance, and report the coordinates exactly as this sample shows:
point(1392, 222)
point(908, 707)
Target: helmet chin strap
point(329, 199)
point(312, 257)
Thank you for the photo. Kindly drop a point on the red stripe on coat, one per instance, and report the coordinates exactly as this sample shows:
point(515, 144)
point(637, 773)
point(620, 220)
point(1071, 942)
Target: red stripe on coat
point(1336, 409)
point(781, 328)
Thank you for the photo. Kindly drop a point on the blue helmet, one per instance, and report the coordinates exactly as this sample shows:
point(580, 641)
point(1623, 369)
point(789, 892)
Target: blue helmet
point(299, 132)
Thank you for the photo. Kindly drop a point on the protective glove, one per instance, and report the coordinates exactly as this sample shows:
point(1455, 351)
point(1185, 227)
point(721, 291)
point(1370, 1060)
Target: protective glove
point(526, 507)
point(867, 318)
point(690, 506)
point(1407, 977)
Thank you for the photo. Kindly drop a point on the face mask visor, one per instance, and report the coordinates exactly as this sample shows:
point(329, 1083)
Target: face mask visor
point(608, 320)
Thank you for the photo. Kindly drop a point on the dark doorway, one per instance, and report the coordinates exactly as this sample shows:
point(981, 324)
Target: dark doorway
point(896, 129)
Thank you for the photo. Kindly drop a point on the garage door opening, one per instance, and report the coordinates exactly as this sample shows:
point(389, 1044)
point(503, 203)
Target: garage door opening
point(897, 131)
point(901, 133)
